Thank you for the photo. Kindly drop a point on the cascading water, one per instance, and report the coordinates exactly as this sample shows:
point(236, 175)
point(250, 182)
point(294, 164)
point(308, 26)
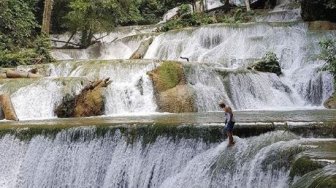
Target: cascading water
point(80, 158)
point(130, 92)
point(219, 56)
point(37, 99)
point(235, 47)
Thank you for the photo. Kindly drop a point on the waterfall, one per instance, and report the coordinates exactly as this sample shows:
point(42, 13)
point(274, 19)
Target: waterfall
point(79, 157)
point(234, 47)
point(131, 90)
point(37, 99)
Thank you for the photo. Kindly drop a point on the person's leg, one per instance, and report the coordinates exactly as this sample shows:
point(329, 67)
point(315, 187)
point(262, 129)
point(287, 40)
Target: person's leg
point(231, 136)
point(228, 135)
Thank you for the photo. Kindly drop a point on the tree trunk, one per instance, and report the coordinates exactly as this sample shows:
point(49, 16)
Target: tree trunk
point(7, 108)
point(247, 3)
point(227, 2)
point(48, 5)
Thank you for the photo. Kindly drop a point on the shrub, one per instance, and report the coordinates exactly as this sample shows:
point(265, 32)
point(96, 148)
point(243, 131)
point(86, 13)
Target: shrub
point(184, 9)
point(328, 54)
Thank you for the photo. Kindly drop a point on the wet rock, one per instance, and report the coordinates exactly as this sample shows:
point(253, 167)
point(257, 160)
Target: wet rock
point(90, 102)
point(171, 90)
point(141, 51)
point(269, 63)
point(179, 99)
point(303, 166)
point(331, 102)
point(321, 25)
point(318, 10)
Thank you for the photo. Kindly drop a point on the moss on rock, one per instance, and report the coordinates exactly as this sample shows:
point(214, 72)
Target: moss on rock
point(269, 63)
point(171, 91)
point(303, 166)
point(321, 178)
point(168, 75)
point(90, 102)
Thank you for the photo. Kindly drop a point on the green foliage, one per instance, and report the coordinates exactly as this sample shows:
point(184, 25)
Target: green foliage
point(42, 46)
point(38, 52)
point(184, 9)
point(19, 43)
point(189, 20)
point(90, 17)
point(17, 22)
point(331, 4)
point(22, 57)
point(328, 54)
point(193, 20)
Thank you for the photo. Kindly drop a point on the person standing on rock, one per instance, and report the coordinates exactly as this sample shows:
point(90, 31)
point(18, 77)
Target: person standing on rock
point(229, 122)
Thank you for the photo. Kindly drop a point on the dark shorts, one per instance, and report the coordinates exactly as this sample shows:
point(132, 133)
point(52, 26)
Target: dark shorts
point(229, 127)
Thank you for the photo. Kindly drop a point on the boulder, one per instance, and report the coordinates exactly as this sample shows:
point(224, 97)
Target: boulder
point(141, 51)
point(269, 63)
point(331, 102)
point(172, 93)
point(90, 101)
point(168, 75)
point(179, 99)
point(318, 10)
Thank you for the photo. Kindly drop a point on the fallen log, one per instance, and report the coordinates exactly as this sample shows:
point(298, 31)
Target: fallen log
point(142, 49)
point(7, 108)
point(17, 74)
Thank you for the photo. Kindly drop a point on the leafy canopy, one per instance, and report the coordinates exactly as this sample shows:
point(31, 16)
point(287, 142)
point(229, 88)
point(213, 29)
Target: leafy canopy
point(17, 23)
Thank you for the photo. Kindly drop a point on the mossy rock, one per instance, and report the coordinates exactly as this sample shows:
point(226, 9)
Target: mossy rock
point(269, 63)
point(321, 178)
point(303, 166)
point(66, 108)
point(331, 102)
point(168, 75)
point(325, 182)
point(90, 102)
point(180, 99)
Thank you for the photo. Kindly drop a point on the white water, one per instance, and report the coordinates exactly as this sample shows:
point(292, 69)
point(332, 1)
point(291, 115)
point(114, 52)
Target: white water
point(219, 56)
point(106, 50)
point(233, 48)
point(212, 4)
point(109, 161)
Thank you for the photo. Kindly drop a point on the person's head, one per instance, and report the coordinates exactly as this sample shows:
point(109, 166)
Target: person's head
point(222, 105)
point(228, 109)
